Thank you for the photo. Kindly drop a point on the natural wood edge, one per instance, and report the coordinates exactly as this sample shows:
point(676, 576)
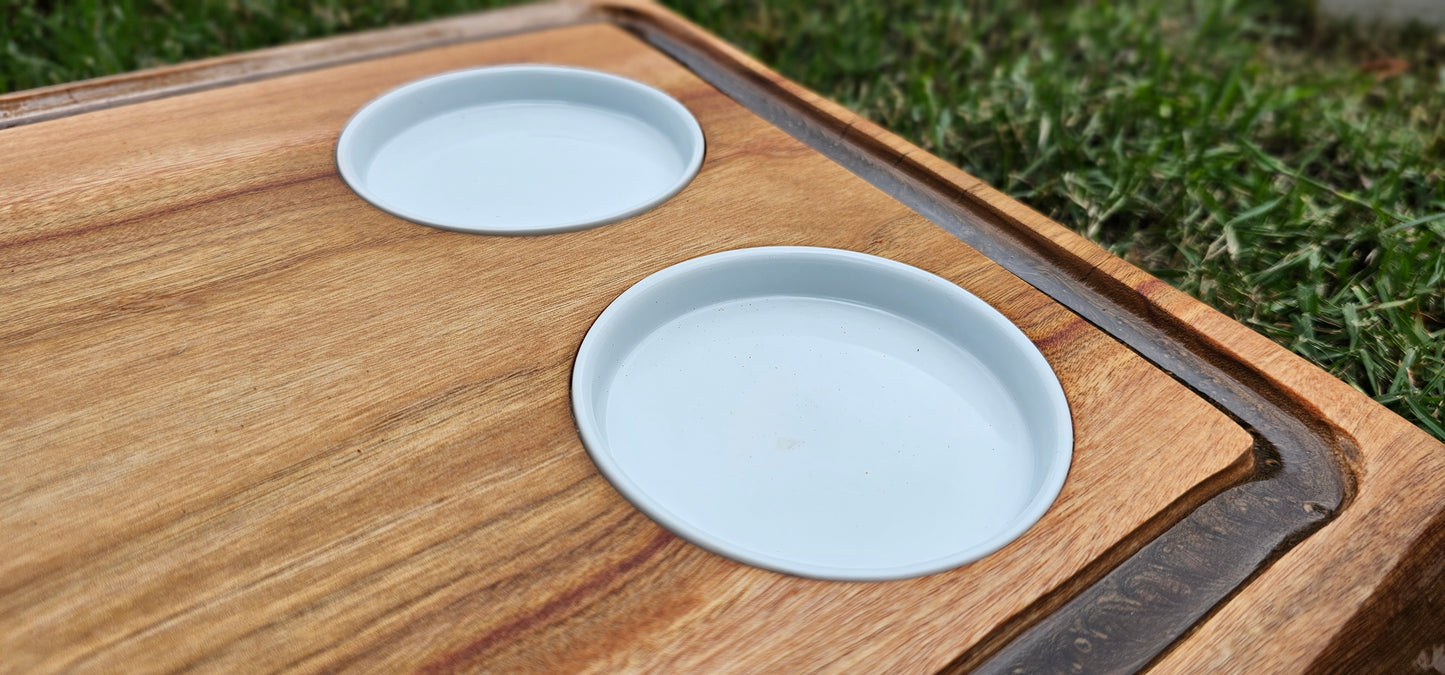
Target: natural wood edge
point(1399, 628)
point(1364, 440)
point(43, 103)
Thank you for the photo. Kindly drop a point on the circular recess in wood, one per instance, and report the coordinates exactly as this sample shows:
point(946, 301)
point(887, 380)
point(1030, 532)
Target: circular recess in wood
point(823, 413)
point(520, 149)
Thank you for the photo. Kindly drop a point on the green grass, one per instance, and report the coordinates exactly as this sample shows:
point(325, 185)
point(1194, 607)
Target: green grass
point(1235, 148)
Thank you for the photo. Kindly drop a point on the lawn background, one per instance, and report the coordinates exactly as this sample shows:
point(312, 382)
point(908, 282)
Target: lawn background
point(1283, 168)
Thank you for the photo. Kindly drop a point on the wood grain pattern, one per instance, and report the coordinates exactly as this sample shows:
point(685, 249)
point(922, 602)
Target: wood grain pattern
point(253, 423)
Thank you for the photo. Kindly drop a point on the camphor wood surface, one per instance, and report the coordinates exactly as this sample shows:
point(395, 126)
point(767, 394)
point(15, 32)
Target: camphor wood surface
point(249, 421)
point(252, 422)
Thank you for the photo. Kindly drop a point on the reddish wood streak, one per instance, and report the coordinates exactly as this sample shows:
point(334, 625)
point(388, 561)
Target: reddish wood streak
point(1064, 335)
point(1149, 287)
point(467, 656)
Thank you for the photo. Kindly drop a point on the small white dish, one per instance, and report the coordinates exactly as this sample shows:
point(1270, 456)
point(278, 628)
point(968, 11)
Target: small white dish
point(522, 149)
point(823, 413)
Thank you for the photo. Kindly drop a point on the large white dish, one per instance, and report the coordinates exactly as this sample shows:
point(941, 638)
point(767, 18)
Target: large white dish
point(523, 149)
point(823, 413)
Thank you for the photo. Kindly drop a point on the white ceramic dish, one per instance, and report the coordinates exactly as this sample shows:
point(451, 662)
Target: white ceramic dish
point(523, 149)
point(823, 413)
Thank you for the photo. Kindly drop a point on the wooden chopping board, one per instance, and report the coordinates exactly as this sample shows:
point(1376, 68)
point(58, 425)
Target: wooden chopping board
point(251, 422)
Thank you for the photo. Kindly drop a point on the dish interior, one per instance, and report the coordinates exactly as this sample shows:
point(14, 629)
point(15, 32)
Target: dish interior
point(520, 149)
point(822, 413)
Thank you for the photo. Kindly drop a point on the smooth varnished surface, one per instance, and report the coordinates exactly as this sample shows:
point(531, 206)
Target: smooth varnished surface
point(253, 422)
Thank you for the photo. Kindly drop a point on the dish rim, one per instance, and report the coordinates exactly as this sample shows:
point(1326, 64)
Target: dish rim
point(345, 155)
point(586, 368)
